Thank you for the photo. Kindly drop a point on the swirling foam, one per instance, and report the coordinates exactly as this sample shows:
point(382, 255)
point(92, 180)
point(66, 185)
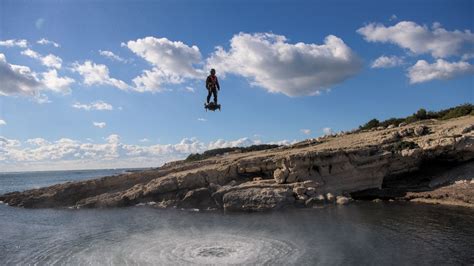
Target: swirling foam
point(166, 248)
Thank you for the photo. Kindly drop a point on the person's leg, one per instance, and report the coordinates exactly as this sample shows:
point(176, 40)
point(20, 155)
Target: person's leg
point(209, 93)
point(214, 91)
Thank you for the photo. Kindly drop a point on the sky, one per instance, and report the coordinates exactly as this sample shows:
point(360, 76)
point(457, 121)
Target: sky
point(116, 84)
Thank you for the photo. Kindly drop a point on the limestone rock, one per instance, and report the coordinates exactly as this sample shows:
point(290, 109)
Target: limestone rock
point(258, 199)
point(197, 199)
point(275, 178)
point(341, 200)
point(330, 197)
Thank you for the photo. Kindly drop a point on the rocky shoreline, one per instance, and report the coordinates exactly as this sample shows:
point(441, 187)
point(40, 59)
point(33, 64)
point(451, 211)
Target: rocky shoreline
point(428, 161)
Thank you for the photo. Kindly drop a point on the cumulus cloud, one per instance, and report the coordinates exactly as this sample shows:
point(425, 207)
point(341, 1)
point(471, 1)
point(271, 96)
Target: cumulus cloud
point(306, 131)
point(2, 122)
point(44, 41)
point(97, 74)
point(112, 152)
point(97, 105)
point(173, 62)
point(269, 61)
point(437, 41)
point(111, 55)
point(14, 43)
point(99, 124)
point(49, 60)
point(423, 71)
point(55, 83)
point(17, 80)
point(387, 62)
point(327, 131)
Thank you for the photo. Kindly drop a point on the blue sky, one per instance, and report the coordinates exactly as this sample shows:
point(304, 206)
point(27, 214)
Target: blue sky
point(289, 70)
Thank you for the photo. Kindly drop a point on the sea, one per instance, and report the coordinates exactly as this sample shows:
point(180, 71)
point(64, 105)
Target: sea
point(361, 233)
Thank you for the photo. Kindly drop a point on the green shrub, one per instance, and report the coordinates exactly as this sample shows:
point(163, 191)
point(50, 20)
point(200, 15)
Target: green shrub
point(422, 114)
point(221, 151)
point(371, 124)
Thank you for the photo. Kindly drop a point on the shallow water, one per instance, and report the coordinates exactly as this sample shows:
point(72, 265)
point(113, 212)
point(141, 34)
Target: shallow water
point(358, 234)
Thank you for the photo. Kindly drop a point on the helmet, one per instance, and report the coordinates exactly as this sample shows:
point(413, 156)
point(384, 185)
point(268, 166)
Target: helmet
point(213, 71)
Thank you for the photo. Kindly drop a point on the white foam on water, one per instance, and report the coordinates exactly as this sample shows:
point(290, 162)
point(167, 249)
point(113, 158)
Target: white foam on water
point(213, 248)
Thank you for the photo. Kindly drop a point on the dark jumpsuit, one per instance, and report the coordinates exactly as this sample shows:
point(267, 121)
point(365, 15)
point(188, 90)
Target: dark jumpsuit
point(212, 85)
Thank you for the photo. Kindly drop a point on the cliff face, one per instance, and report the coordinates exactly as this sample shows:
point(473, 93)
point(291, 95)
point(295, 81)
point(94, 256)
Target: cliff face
point(308, 173)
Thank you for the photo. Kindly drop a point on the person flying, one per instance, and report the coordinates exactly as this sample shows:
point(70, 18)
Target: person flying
point(212, 85)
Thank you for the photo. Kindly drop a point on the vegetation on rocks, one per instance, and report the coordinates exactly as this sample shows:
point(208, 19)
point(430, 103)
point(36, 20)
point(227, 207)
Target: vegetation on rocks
point(422, 114)
point(222, 151)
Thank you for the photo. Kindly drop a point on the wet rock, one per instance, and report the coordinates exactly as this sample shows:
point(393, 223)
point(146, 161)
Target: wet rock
point(311, 192)
point(258, 199)
point(315, 201)
point(330, 197)
point(341, 200)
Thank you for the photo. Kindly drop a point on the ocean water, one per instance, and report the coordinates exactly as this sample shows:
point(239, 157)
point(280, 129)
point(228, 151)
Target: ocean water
point(362, 233)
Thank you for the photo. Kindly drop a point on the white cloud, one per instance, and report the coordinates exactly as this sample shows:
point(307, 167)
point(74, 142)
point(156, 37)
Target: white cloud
point(66, 153)
point(17, 80)
point(393, 17)
point(2, 122)
point(190, 89)
point(272, 63)
point(202, 119)
point(387, 62)
point(38, 142)
point(97, 105)
point(172, 62)
point(49, 60)
point(44, 41)
point(423, 71)
point(111, 55)
point(437, 41)
point(99, 124)
point(306, 131)
point(55, 83)
point(242, 142)
point(52, 61)
point(97, 74)
point(327, 131)
point(14, 43)
point(144, 140)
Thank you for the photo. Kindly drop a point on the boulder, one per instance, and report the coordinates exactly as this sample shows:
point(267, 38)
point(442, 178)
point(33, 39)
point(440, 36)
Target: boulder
point(330, 197)
point(197, 199)
point(258, 199)
point(420, 130)
point(341, 200)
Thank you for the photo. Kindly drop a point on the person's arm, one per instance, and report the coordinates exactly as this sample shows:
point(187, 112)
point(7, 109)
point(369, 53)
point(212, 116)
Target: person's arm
point(207, 82)
point(217, 84)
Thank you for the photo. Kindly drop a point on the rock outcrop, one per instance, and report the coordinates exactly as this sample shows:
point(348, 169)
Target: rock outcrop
point(326, 170)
